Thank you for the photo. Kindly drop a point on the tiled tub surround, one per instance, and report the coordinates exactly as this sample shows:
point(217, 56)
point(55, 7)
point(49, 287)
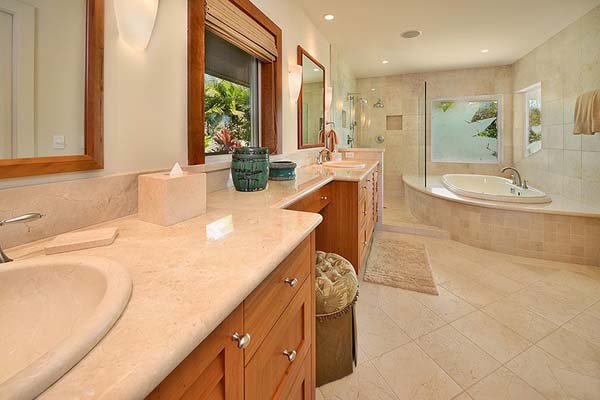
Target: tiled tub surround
point(562, 230)
point(567, 65)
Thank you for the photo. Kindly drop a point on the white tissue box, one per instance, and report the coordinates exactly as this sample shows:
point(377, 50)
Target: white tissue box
point(166, 200)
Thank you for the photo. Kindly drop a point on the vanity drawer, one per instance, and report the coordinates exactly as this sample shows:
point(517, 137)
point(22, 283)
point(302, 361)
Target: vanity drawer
point(267, 373)
point(267, 302)
point(315, 201)
point(300, 387)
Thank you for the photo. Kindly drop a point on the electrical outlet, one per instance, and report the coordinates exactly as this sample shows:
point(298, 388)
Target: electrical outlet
point(58, 142)
point(349, 155)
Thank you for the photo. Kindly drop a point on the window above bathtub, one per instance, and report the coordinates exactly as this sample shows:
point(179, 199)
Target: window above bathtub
point(467, 129)
point(533, 119)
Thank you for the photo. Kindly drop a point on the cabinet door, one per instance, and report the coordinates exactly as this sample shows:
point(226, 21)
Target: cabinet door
point(214, 370)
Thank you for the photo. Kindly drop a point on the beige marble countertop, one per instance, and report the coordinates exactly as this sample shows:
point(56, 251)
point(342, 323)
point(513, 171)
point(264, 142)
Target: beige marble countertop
point(187, 278)
point(282, 194)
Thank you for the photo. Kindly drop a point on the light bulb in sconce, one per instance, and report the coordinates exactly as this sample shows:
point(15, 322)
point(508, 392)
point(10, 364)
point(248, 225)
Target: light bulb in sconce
point(135, 21)
point(295, 81)
point(328, 97)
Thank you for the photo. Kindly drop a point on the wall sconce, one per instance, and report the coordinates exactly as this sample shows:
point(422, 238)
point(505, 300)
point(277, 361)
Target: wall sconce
point(135, 21)
point(328, 97)
point(295, 81)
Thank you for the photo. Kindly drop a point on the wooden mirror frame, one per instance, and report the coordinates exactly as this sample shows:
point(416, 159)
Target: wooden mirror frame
point(93, 157)
point(271, 117)
point(302, 52)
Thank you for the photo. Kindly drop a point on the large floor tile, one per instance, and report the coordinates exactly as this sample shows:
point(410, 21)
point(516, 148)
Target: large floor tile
point(413, 375)
point(463, 396)
point(554, 379)
point(365, 383)
point(503, 385)
point(574, 351)
point(519, 271)
point(465, 362)
point(553, 301)
point(448, 306)
point(412, 317)
point(471, 291)
point(586, 325)
point(526, 323)
point(319, 395)
point(374, 295)
point(496, 339)
point(579, 282)
point(594, 310)
point(377, 332)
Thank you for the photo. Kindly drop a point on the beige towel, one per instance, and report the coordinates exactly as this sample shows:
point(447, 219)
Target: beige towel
point(587, 114)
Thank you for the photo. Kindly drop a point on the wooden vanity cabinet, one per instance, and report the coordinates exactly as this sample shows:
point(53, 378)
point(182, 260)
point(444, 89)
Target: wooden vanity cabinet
point(279, 360)
point(349, 216)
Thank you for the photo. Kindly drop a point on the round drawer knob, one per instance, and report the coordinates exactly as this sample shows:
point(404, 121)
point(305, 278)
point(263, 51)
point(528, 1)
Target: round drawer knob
point(291, 281)
point(290, 354)
point(324, 197)
point(242, 340)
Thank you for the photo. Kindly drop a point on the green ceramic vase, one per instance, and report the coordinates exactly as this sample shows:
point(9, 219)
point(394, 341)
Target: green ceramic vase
point(250, 168)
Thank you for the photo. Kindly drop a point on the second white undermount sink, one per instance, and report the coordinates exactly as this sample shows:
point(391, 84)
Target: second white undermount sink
point(344, 164)
point(53, 311)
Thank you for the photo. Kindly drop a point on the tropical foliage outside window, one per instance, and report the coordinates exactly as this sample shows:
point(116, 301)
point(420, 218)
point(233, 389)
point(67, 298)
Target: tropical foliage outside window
point(465, 130)
point(533, 127)
point(228, 110)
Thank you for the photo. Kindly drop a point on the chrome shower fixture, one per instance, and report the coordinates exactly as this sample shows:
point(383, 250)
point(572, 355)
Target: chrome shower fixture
point(379, 104)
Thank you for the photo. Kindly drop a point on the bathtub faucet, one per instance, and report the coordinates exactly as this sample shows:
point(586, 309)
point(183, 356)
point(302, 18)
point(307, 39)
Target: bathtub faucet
point(516, 177)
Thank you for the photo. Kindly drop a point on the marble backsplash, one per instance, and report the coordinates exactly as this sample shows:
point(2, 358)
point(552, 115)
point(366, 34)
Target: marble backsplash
point(75, 204)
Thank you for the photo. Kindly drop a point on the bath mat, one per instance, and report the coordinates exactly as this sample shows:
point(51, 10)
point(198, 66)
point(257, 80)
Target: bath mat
point(398, 261)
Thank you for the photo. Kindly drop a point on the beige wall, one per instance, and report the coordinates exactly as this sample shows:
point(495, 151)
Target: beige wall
point(145, 93)
point(404, 95)
point(567, 65)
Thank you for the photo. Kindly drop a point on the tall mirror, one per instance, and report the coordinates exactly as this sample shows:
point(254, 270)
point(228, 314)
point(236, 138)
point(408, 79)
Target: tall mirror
point(50, 86)
point(311, 103)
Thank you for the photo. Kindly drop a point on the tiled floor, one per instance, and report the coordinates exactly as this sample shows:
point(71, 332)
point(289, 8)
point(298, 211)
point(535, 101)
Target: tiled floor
point(396, 211)
point(503, 327)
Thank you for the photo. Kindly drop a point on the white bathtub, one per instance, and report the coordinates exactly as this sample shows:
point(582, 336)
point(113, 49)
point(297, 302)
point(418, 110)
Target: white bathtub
point(489, 187)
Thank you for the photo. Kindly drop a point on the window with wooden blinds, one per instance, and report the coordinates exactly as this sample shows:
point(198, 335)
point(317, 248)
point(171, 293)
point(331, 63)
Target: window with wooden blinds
point(242, 24)
point(225, 19)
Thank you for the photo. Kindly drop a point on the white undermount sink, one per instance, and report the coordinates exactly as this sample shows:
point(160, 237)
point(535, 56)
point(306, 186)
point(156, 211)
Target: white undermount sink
point(344, 164)
point(53, 311)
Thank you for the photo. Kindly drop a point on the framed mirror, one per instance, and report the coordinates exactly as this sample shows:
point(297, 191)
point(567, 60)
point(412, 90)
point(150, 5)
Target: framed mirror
point(311, 102)
point(51, 78)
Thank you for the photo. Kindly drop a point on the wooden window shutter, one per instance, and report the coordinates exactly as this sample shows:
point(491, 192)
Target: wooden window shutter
point(228, 21)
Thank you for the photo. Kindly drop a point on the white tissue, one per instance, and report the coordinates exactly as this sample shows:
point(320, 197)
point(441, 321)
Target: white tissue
point(176, 170)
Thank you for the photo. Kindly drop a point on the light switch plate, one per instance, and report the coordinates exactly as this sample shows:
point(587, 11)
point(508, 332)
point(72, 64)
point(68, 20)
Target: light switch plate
point(58, 142)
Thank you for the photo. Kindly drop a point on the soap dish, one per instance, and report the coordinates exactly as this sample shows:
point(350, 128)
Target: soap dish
point(74, 241)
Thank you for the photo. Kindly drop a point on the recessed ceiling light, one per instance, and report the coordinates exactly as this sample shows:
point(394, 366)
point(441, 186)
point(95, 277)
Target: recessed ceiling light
point(316, 69)
point(485, 50)
point(372, 89)
point(385, 62)
point(328, 17)
point(411, 34)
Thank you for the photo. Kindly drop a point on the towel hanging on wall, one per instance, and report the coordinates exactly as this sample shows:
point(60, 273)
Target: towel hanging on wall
point(587, 114)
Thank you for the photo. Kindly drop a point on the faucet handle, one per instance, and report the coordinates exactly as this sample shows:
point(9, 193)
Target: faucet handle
point(525, 186)
point(22, 218)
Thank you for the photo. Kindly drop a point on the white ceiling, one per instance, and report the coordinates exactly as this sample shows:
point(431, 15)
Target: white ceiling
point(454, 31)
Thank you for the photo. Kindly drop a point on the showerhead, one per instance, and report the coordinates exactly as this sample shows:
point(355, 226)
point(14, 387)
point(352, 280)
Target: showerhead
point(379, 104)
point(363, 100)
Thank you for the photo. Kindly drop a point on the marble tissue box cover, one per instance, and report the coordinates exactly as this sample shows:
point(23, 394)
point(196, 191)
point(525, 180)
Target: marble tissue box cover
point(167, 200)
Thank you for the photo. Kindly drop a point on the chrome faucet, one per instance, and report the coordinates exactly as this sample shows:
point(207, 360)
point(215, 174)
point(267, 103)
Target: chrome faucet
point(22, 218)
point(327, 154)
point(516, 177)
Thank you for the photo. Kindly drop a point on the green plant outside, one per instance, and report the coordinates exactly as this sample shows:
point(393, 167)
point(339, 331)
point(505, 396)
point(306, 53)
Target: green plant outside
point(227, 115)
